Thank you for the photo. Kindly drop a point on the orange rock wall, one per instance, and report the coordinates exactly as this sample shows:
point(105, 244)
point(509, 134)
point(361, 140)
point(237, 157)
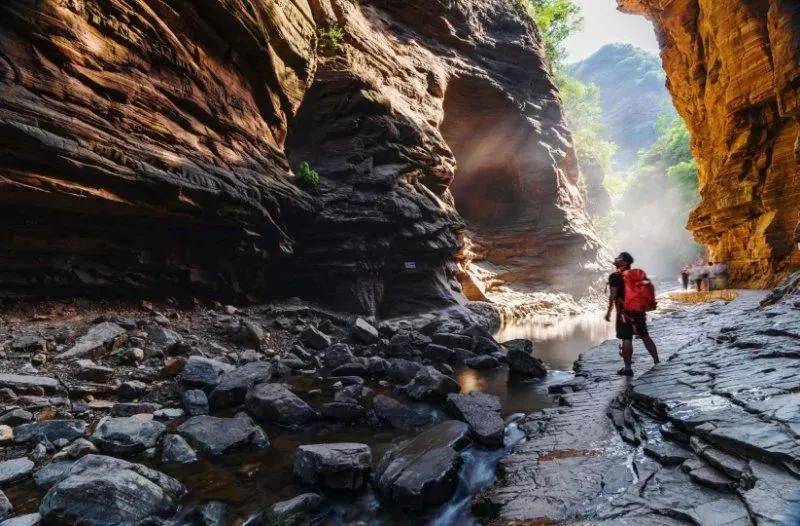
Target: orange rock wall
point(733, 69)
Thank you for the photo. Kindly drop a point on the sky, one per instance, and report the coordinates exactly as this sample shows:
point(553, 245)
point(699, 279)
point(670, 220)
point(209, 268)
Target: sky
point(603, 24)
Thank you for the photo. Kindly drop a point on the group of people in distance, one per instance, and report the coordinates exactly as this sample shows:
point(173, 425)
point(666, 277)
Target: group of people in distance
point(705, 276)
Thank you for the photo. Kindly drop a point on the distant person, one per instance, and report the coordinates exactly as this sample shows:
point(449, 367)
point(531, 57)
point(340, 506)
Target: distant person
point(685, 277)
point(632, 295)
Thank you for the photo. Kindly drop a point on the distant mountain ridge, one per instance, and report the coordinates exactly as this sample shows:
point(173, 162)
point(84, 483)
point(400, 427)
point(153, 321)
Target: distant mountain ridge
point(632, 94)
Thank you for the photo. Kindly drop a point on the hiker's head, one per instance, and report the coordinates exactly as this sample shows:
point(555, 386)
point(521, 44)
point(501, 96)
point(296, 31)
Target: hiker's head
point(623, 260)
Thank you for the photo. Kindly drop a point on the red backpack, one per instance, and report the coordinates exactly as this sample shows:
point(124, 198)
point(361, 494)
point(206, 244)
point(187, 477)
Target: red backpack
point(640, 295)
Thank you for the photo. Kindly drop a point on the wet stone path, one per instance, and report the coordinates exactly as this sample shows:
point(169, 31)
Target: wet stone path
point(711, 436)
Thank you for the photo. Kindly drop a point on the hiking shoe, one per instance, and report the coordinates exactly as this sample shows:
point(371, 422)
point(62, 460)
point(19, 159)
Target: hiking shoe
point(625, 372)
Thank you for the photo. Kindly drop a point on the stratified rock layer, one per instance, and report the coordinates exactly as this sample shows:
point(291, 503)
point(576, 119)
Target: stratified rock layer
point(733, 71)
point(152, 146)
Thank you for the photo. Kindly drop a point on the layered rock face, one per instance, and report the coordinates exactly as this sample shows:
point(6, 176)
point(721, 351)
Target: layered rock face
point(149, 145)
point(733, 72)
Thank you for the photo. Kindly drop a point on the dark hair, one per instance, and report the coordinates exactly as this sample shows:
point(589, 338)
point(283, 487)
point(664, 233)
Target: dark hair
point(626, 257)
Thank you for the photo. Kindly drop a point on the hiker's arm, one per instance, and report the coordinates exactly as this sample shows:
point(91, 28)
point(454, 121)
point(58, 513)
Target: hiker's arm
point(612, 300)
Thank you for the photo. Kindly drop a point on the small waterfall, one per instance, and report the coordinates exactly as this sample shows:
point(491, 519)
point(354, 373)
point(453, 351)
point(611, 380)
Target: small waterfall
point(477, 472)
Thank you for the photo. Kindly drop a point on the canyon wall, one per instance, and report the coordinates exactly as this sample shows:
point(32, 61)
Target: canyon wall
point(733, 69)
point(151, 146)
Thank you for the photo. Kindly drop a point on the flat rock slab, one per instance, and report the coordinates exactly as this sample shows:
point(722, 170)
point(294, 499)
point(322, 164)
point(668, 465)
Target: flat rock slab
point(105, 490)
point(340, 467)
point(52, 430)
point(211, 435)
point(401, 415)
point(97, 339)
point(276, 403)
point(481, 412)
point(14, 470)
point(423, 471)
point(203, 373)
point(26, 383)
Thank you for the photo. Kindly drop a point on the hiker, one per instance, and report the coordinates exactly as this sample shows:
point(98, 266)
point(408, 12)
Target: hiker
point(632, 295)
point(685, 277)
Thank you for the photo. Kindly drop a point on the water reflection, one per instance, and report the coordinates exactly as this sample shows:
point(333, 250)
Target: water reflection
point(559, 340)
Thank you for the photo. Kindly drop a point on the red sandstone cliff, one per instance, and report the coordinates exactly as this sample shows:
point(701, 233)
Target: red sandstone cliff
point(733, 69)
point(150, 145)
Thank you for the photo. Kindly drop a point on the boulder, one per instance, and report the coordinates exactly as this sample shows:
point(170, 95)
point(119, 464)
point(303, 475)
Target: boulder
point(343, 466)
point(485, 345)
point(104, 490)
point(12, 471)
point(30, 519)
point(134, 408)
point(350, 369)
point(126, 435)
point(482, 362)
point(250, 334)
point(520, 361)
point(520, 344)
point(346, 412)
point(28, 383)
point(16, 417)
point(51, 473)
point(203, 373)
point(430, 385)
point(401, 370)
point(91, 372)
point(161, 340)
point(175, 450)
point(401, 415)
point(364, 331)
point(132, 389)
point(276, 403)
point(233, 385)
point(337, 356)
point(481, 412)
point(6, 508)
point(51, 430)
point(97, 339)
point(452, 340)
point(28, 343)
point(195, 402)
point(293, 512)
point(211, 435)
point(423, 471)
point(438, 353)
point(314, 338)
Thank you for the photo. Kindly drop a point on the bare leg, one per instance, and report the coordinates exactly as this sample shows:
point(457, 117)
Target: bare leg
point(627, 353)
point(650, 345)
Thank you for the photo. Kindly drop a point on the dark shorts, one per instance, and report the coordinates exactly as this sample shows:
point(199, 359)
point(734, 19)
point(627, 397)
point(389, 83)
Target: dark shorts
point(634, 325)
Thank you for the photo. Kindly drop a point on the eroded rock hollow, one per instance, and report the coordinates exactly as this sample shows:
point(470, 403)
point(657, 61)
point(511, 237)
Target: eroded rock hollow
point(733, 73)
point(151, 145)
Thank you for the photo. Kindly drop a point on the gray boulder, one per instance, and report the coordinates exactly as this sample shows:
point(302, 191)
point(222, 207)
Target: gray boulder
point(27, 383)
point(104, 490)
point(401, 370)
point(337, 356)
point(233, 385)
point(346, 412)
point(195, 402)
point(175, 450)
point(250, 334)
point(521, 361)
point(314, 338)
point(126, 435)
point(16, 417)
point(91, 372)
point(439, 353)
point(51, 430)
point(96, 340)
point(211, 435)
point(483, 362)
point(423, 471)
point(31, 519)
point(364, 331)
point(6, 508)
point(294, 512)
point(401, 415)
point(481, 412)
point(276, 403)
point(203, 373)
point(342, 467)
point(14, 470)
point(430, 385)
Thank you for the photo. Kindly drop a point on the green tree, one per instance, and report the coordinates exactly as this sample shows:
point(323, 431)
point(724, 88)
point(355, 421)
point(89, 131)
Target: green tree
point(556, 20)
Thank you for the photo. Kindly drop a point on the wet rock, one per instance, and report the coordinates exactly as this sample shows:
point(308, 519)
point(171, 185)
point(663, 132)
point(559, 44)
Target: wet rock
point(91, 372)
point(401, 415)
point(731, 465)
point(364, 331)
point(521, 344)
point(482, 362)
point(97, 339)
point(481, 412)
point(430, 385)
point(79, 448)
point(521, 362)
point(105, 490)
point(485, 345)
point(711, 477)
point(212, 513)
point(16, 417)
point(132, 389)
point(168, 413)
point(668, 453)
point(773, 500)
point(423, 471)
point(338, 355)
point(51, 430)
point(126, 435)
point(28, 383)
point(452, 340)
point(402, 345)
point(134, 408)
point(51, 473)
point(31, 519)
point(346, 412)
point(233, 385)
point(401, 370)
point(12, 471)
point(315, 339)
point(340, 467)
point(293, 512)
point(350, 369)
point(203, 373)
point(377, 367)
point(175, 450)
point(214, 436)
point(276, 403)
point(28, 343)
point(6, 508)
point(195, 402)
point(438, 353)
